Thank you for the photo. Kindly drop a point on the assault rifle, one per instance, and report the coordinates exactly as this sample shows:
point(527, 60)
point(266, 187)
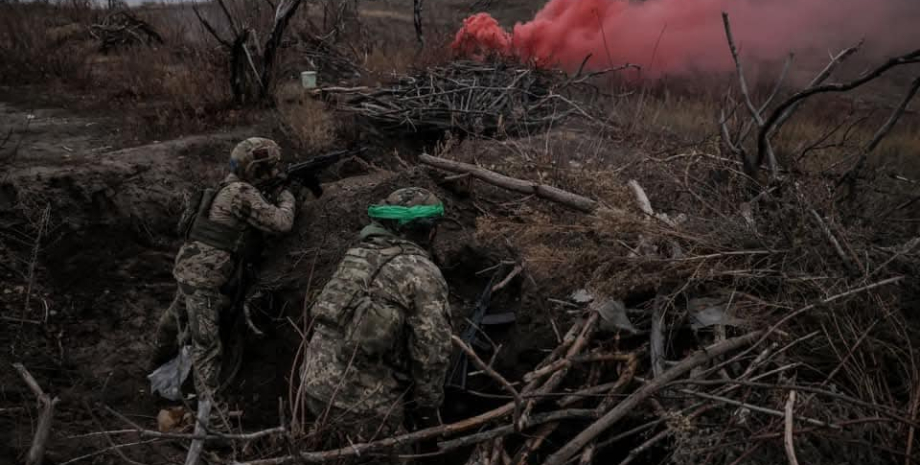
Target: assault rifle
point(305, 173)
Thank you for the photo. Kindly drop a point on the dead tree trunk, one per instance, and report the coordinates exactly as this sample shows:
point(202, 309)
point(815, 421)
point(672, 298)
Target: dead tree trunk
point(283, 14)
point(417, 18)
point(258, 64)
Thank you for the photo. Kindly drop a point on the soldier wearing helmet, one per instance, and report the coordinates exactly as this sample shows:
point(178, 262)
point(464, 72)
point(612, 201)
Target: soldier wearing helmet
point(222, 229)
point(381, 340)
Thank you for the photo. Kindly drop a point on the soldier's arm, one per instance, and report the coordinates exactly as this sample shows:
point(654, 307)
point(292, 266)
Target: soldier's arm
point(251, 207)
point(429, 330)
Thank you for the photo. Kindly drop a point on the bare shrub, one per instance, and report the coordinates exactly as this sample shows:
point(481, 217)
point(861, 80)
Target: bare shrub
point(313, 127)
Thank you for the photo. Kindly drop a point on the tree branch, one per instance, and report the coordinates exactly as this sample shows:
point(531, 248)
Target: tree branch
point(623, 408)
point(43, 430)
point(882, 132)
point(568, 199)
point(755, 112)
point(766, 129)
point(208, 27)
point(787, 438)
point(493, 374)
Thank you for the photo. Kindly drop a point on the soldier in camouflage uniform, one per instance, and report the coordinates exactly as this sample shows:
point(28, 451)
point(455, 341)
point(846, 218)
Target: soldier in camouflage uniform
point(381, 339)
point(221, 230)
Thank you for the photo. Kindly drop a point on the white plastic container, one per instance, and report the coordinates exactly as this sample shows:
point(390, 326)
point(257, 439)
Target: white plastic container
point(308, 79)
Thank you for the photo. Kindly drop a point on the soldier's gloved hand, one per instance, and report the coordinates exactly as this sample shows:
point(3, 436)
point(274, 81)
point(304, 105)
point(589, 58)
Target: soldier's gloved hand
point(286, 199)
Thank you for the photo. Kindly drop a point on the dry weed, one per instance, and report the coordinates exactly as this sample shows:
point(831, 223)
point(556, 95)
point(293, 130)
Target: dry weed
point(312, 126)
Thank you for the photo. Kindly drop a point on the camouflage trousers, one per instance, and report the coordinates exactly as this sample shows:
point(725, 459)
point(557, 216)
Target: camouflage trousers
point(344, 428)
point(194, 314)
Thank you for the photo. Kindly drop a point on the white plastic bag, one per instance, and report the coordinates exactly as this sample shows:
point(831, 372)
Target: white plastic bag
point(168, 378)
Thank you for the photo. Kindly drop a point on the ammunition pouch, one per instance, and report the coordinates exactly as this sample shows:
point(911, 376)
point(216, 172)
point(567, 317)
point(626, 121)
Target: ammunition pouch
point(243, 244)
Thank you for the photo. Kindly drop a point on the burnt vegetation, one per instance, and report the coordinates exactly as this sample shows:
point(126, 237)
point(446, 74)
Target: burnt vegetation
point(717, 270)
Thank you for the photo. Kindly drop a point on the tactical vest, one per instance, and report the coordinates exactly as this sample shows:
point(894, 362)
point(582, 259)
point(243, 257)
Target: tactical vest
point(348, 309)
point(197, 226)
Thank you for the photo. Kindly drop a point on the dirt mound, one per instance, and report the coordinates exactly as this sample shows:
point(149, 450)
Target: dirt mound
point(87, 241)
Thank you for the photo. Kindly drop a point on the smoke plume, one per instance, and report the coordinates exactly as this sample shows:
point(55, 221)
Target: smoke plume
point(675, 36)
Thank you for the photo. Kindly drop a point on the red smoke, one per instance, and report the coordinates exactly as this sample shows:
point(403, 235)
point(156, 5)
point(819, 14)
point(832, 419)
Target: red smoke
point(687, 35)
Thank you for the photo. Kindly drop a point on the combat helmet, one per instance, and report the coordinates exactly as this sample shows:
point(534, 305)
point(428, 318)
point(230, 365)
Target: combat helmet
point(409, 208)
point(255, 159)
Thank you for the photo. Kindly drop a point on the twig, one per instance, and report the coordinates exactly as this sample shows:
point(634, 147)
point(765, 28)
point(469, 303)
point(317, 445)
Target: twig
point(493, 374)
point(108, 438)
point(624, 407)
point(756, 408)
point(149, 433)
point(43, 430)
point(890, 412)
point(883, 131)
point(109, 449)
point(514, 272)
point(787, 439)
point(556, 379)
point(202, 418)
point(913, 416)
point(766, 129)
point(818, 79)
point(536, 420)
point(208, 27)
point(755, 112)
point(831, 238)
point(633, 454)
point(42, 225)
point(779, 83)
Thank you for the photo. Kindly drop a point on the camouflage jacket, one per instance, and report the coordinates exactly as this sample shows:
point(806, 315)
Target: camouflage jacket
point(238, 205)
point(382, 330)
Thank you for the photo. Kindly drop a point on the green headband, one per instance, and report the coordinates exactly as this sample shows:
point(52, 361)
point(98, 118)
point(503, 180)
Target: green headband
point(404, 214)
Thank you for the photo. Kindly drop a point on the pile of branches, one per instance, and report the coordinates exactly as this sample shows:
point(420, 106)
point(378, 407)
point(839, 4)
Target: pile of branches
point(123, 29)
point(467, 98)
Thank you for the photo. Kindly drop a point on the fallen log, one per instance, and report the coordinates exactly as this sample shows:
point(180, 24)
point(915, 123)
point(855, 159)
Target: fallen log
point(565, 198)
point(623, 408)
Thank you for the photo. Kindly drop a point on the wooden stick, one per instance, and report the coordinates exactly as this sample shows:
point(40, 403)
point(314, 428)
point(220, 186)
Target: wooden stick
point(831, 238)
point(556, 379)
point(43, 430)
point(514, 272)
point(787, 441)
point(109, 449)
point(641, 198)
point(540, 419)
point(913, 416)
point(623, 408)
point(149, 433)
point(818, 79)
point(755, 408)
point(518, 402)
point(883, 131)
point(766, 129)
point(201, 427)
point(568, 199)
point(534, 443)
point(636, 452)
point(755, 112)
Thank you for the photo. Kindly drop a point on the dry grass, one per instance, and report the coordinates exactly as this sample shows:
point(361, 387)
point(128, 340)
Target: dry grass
point(311, 124)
